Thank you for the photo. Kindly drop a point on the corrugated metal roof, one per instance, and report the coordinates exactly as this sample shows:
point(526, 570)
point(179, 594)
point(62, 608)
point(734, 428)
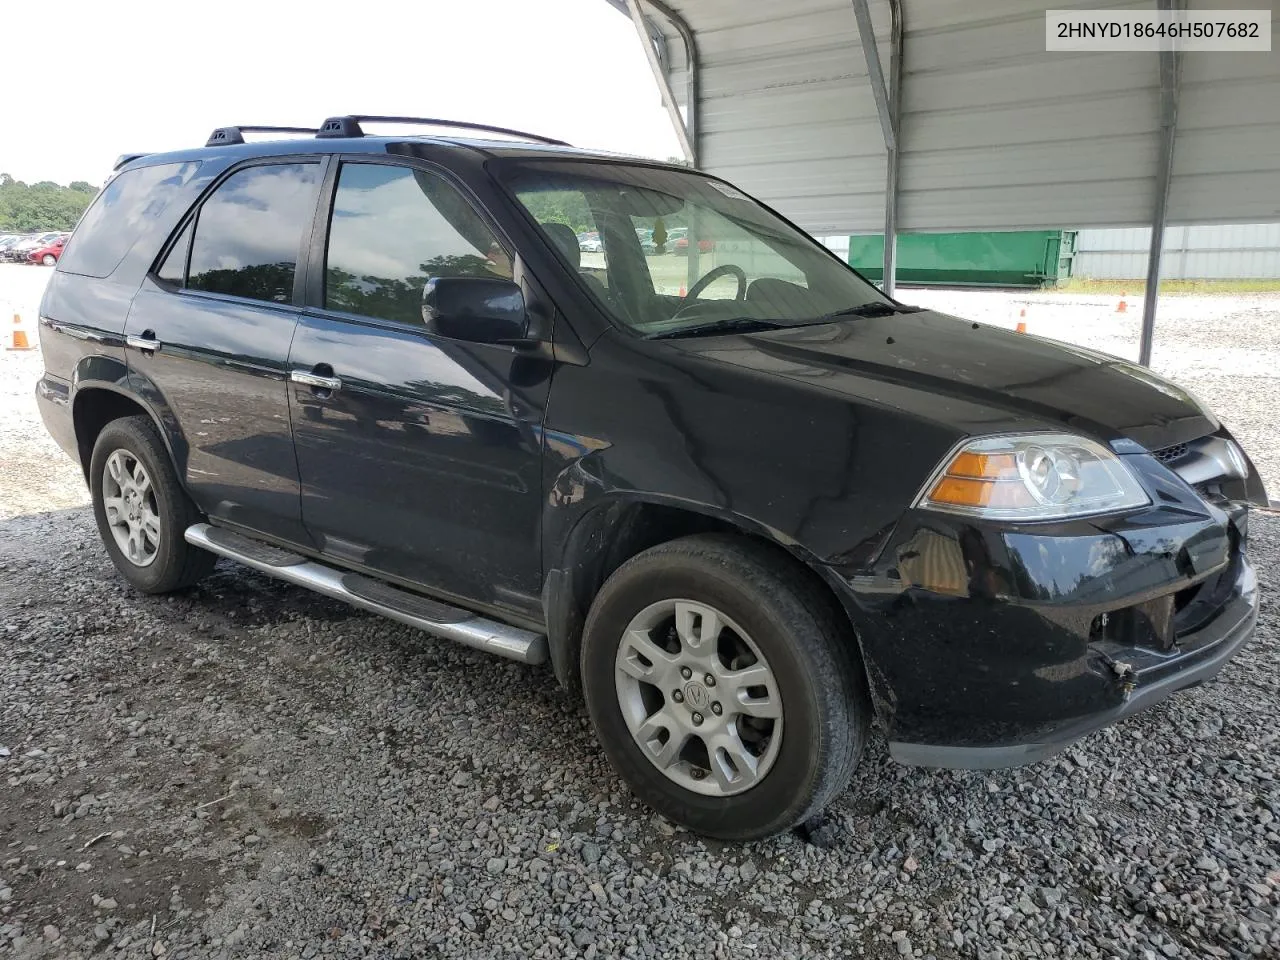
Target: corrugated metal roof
point(996, 133)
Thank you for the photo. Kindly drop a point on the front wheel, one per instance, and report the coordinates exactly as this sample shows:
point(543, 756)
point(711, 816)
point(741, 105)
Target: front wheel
point(142, 510)
point(723, 686)
point(49, 260)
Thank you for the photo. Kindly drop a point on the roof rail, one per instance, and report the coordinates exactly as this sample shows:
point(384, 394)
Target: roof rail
point(224, 136)
point(349, 126)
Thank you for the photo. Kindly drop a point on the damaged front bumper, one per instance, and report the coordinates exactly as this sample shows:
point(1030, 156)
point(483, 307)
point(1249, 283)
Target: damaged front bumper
point(1144, 679)
point(991, 645)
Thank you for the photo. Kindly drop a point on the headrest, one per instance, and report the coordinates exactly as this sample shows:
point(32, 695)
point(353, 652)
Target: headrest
point(566, 241)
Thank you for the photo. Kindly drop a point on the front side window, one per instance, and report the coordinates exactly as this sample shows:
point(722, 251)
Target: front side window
point(394, 228)
point(565, 217)
point(679, 251)
point(249, 231)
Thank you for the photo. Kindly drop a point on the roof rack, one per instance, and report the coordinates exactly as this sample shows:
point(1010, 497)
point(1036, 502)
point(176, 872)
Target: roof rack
point(224, 136)
point(349, 126)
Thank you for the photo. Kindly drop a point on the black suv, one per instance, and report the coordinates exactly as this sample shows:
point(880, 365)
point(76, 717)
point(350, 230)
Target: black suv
point(740, 500)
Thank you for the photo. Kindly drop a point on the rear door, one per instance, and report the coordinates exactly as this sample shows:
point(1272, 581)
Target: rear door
point(419, 455)
point(208, 343)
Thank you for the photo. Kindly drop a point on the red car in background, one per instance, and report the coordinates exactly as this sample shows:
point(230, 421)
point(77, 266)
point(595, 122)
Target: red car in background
point(704, 246)
point(49, 253)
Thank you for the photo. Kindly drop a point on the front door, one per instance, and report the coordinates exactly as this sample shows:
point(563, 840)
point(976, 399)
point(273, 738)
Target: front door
point(419, 456)
point(208, 344)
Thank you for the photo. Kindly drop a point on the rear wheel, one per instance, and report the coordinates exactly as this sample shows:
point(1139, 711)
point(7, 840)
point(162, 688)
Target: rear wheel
point(49, 260)
point(142, 510)
point(723, 686)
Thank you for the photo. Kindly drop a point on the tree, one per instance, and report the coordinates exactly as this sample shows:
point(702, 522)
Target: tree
point(32, 208)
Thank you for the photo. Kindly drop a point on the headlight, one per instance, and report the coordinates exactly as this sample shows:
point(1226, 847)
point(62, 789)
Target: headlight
point(1033, 476)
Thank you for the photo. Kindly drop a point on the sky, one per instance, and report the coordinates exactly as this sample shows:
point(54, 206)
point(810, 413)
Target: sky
point(146, 75)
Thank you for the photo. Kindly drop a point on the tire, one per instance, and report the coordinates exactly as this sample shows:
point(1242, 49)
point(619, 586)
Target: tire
point(49, 260)
point(164, 561)
point(803, 642)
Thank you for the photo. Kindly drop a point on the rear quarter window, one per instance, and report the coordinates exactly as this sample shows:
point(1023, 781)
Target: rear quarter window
point(121, 214)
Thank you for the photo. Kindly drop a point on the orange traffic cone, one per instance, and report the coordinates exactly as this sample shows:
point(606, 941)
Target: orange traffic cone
point(683, 292)
point(1122, 307)
point(1022, 320)
point(18, 340)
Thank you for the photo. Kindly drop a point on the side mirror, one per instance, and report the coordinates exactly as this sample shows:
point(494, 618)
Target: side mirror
point(478, 309)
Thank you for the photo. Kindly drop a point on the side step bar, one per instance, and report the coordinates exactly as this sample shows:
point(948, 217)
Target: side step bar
point(452, 623)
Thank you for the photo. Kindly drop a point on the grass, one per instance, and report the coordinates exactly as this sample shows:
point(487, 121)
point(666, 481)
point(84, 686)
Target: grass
point(1135, 287)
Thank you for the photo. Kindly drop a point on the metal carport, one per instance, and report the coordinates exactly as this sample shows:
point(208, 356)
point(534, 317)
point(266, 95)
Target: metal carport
point(858, 115)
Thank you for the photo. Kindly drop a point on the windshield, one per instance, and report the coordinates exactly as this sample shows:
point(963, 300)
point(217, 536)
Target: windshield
point(673, 253)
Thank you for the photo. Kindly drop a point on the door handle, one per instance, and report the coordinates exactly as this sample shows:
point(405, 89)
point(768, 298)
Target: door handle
point(315, 380)
point(146, 342)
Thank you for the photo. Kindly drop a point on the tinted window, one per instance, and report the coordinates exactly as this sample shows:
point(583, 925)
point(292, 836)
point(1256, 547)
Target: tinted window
point(392, 229)
point(248, 232)
point(121, 213)
point(566, 217)
point(174, 268)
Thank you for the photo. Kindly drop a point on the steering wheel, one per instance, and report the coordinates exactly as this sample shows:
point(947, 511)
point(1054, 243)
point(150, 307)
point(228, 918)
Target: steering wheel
point(714, 274)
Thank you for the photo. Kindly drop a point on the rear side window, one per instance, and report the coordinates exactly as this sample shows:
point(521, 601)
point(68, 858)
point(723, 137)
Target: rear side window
point(121, 213)
point(249, 231)
point(392, 229)
point(174, 268)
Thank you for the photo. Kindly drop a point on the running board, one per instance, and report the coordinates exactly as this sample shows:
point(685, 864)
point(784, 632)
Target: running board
point(451, 623)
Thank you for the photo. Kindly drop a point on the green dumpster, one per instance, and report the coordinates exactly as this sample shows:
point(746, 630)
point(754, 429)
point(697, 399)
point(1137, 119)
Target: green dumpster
point(1021, 258)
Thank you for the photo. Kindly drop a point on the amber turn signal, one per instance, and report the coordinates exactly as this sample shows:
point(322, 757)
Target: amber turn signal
point(981, 480)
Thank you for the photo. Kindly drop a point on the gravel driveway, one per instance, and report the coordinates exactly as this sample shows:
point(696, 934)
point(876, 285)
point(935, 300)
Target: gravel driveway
point(248, 770)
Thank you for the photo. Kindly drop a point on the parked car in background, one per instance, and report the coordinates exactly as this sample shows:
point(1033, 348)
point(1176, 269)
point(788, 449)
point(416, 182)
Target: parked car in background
point(645, 236)
point(589, 242)
point(682, 245)
point(14, 247)
point(47, 254)
point(20, 249)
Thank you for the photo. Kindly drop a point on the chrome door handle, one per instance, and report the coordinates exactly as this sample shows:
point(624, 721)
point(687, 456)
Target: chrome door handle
point(143, 343)
point(315, 380)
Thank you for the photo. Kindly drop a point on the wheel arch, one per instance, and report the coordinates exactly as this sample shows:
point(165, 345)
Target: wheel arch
point(618, 528)
point(96, 404)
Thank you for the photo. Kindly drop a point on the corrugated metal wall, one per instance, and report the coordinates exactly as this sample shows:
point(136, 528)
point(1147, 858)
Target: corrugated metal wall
point(1243, 251)
point(996, 133)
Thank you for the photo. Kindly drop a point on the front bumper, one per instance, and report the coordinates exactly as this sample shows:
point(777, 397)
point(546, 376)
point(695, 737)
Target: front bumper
point(1206, 652)
point(992, 646)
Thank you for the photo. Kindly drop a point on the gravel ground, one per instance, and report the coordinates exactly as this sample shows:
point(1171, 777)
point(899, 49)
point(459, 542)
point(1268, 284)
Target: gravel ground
point(248, 770)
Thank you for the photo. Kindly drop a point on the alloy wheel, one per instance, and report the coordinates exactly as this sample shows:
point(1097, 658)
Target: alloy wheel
point(699, 697)
point(130, 504)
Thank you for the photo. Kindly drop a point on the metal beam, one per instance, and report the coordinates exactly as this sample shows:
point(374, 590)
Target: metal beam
point(888, 107)
point(1170, 71)
point(867, 34)
point(890, 282)
point(692, 109)
point(664, 83)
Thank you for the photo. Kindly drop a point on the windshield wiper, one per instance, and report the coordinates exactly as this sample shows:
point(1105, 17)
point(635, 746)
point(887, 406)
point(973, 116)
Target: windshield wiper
point(729, 325)
point(872, 308)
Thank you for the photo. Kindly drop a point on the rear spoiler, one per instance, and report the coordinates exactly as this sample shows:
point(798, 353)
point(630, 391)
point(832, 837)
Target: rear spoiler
point(126, 158)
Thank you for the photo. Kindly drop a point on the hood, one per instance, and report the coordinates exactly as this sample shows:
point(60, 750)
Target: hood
point(917, 359)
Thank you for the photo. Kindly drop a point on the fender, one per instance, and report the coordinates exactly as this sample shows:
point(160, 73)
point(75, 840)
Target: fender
point(589, 539)
point(113, 375)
